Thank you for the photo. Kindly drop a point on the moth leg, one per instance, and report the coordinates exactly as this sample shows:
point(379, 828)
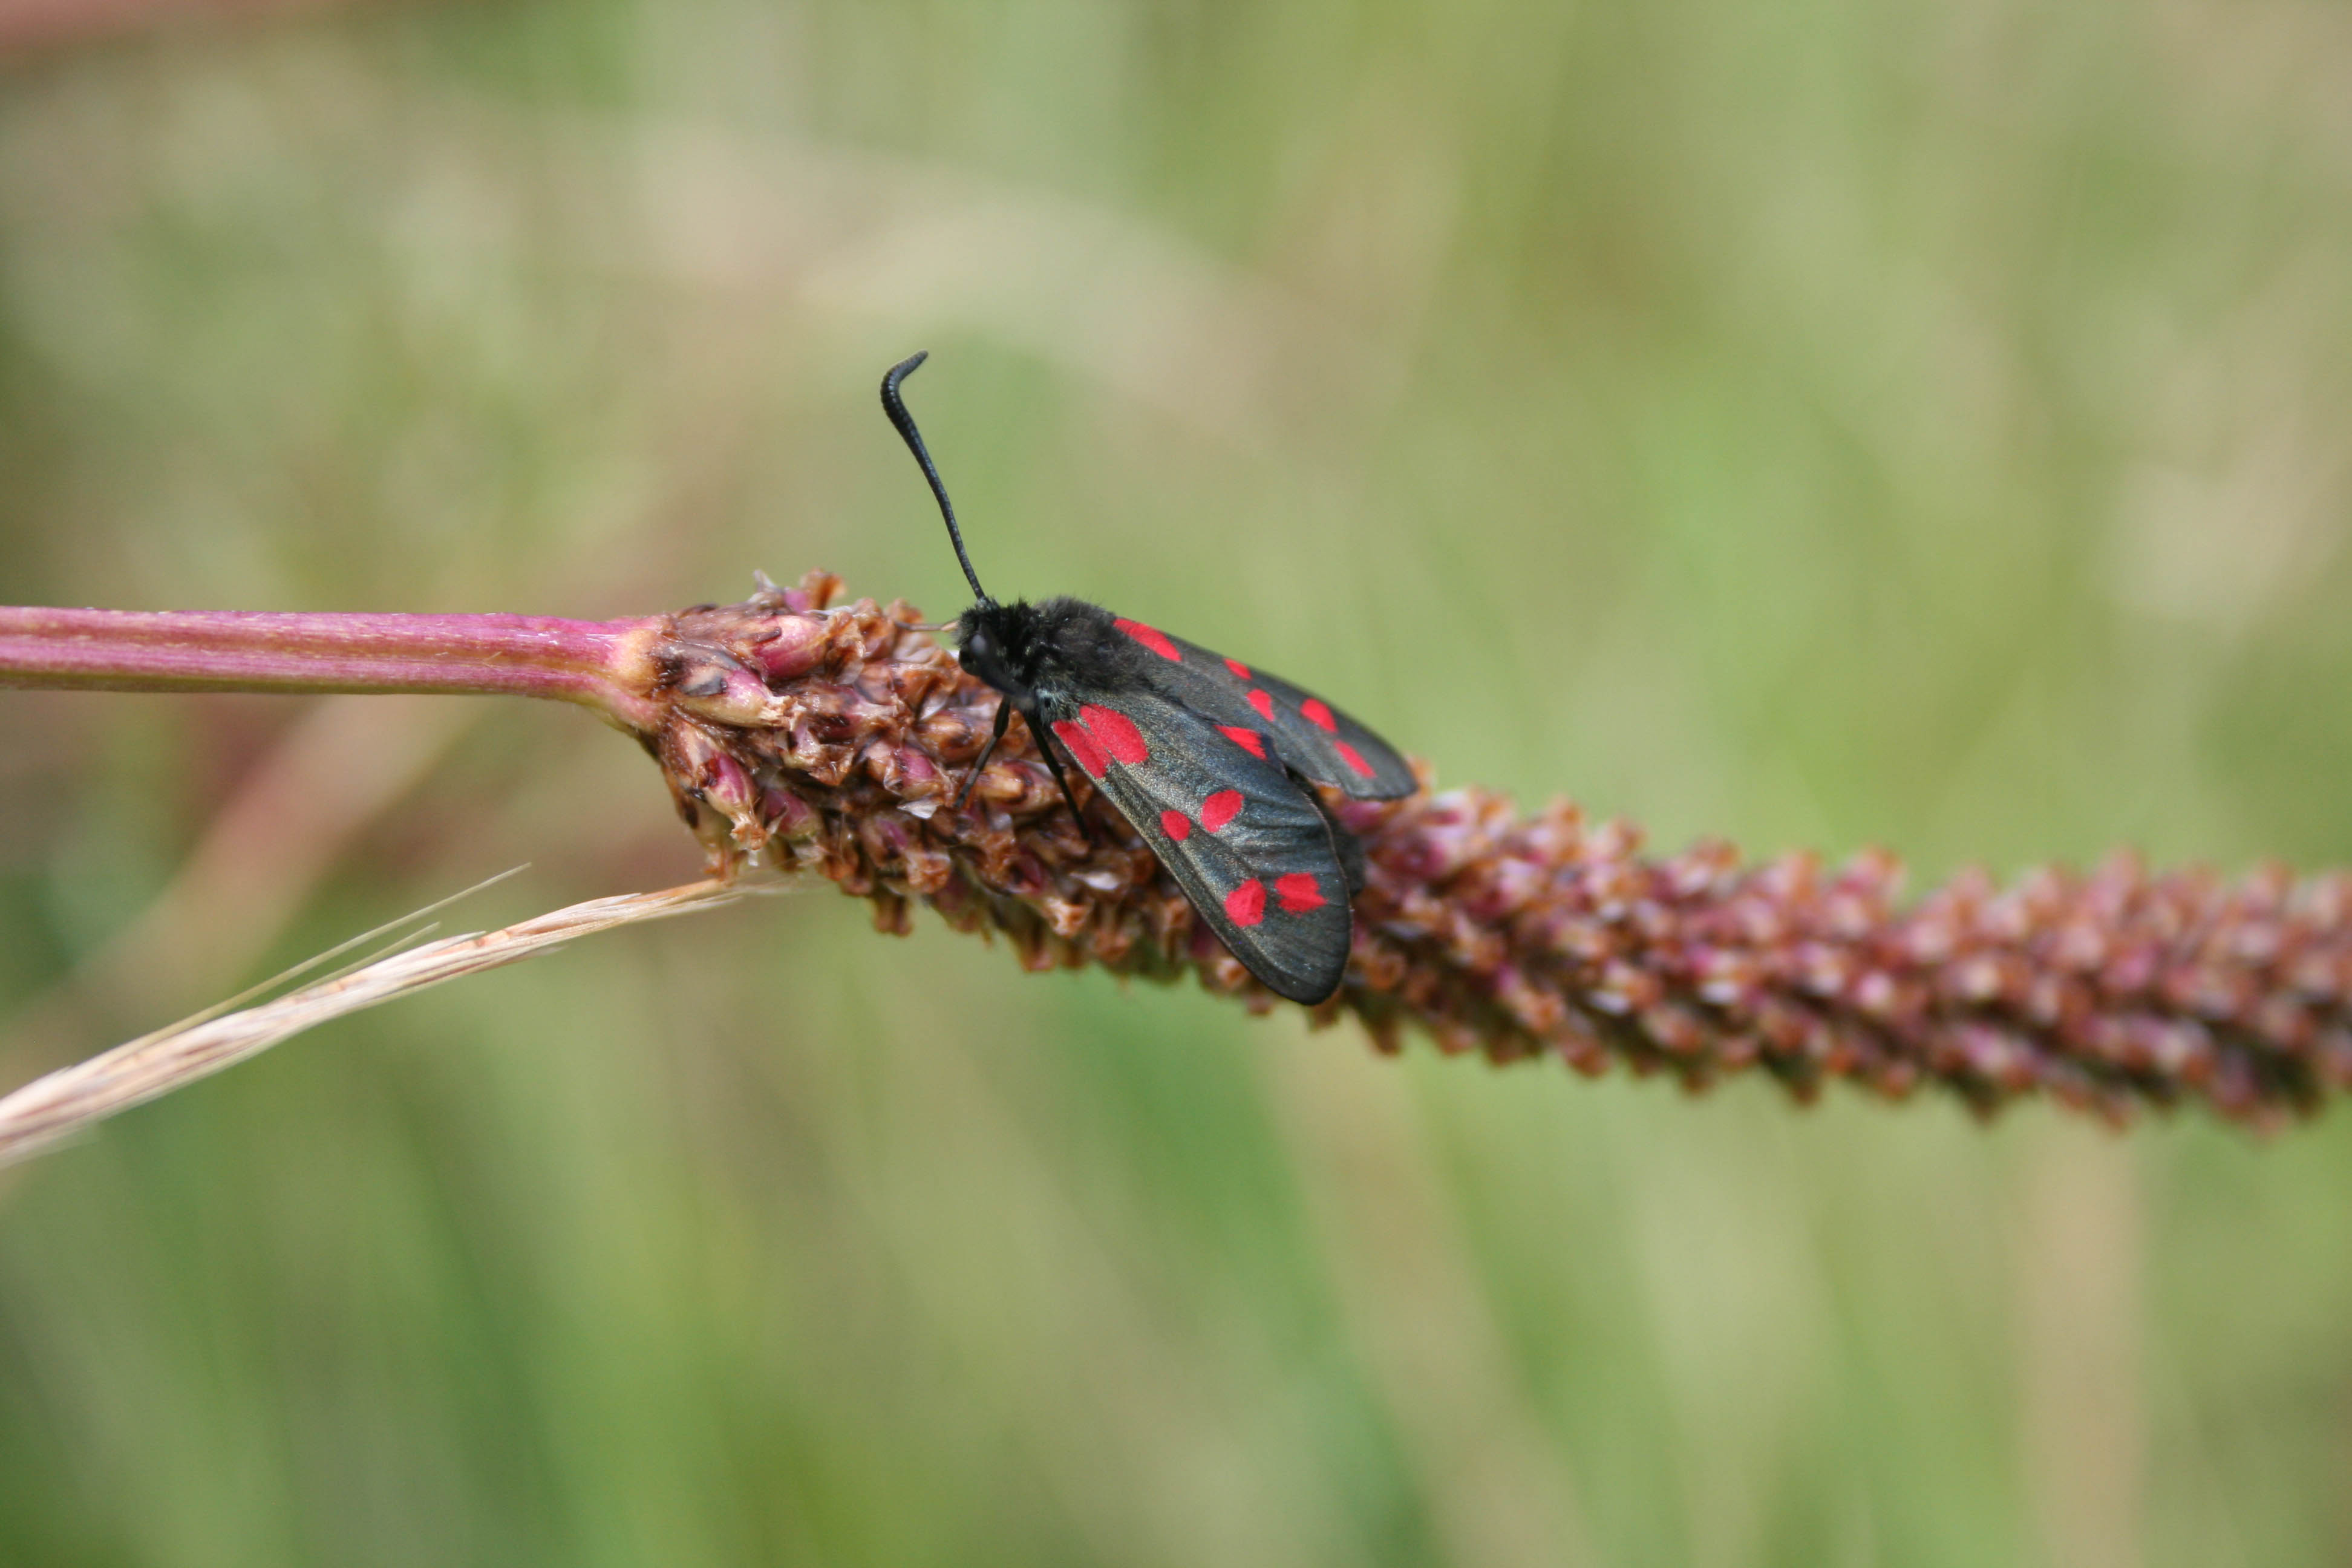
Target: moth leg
point(1045, 750)
point(1003, 717)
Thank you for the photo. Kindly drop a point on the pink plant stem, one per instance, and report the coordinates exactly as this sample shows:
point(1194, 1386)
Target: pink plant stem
point(600, 664)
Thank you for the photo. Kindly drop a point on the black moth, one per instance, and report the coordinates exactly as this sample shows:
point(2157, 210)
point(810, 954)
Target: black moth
point(1203, 755)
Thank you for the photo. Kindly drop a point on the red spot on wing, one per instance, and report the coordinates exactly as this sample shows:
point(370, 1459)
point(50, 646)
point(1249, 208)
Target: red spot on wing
point(1246, 905)
point(1300, 893)
point(1177, 825)
point(1250, 740)
point(1117, 732)
point(1263, 703)
point(1149, 637)
point(1238, 668)
point(1318, 715)
point(1081, 745)
point(1221, 809)
point(1353, 757)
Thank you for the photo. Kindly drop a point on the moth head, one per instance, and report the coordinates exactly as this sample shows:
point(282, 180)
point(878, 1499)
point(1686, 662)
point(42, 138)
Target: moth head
point(990, 643)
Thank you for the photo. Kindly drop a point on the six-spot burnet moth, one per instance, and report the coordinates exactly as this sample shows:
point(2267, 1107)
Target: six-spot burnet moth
point(1210, 759)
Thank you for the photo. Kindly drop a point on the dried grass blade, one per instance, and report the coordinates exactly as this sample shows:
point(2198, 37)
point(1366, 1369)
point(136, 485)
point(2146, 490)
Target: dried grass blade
point(65, 1102)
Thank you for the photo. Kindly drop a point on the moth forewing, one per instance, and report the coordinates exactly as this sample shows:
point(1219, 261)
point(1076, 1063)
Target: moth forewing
point(1252, 851)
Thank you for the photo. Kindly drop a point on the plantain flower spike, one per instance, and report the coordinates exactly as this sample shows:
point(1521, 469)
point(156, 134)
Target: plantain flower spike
point(834, 742)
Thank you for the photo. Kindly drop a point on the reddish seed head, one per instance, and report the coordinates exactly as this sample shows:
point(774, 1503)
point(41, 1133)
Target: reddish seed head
point(727, 786)
point(1253, 742)
point(1318, 715)
point(1238, 668)
point(1149, 637)
point(1263, 703)
point(793, 645)
point(1082, 746)
point(1349, 755)
point(1117, 732)
point(1176, 824)
point(718, 688)
point(1220, 808)
point(1518, 934)
point(1300, 893)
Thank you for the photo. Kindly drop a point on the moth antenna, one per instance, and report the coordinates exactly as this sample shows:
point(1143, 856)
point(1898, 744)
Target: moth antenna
point(896, 407)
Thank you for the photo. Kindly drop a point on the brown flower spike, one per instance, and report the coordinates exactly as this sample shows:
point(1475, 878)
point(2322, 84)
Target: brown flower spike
point(835, 741)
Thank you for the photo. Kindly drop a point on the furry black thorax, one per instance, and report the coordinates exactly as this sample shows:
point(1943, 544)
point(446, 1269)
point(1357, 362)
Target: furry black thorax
point(1021, 647)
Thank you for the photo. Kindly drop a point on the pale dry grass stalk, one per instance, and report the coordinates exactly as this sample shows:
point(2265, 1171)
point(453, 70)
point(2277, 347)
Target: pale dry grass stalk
point(71, 1100)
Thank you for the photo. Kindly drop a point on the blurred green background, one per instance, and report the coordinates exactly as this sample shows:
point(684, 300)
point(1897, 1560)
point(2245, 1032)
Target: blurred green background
point(1841, 423)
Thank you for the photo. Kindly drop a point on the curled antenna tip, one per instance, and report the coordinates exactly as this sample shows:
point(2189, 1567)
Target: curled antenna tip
point(896, 407)
point(898, 373)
